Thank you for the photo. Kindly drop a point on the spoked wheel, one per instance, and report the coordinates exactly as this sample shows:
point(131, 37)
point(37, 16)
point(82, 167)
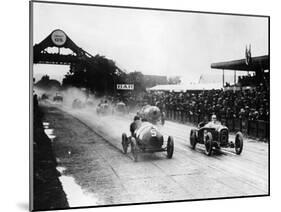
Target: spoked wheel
point(134, 149)
point(238, 143)
point(125, 143)
point(170, 147)
point(192, 139)
point(209, 144)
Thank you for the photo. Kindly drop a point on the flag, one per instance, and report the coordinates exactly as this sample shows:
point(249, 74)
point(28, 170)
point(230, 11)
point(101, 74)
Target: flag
point(248, 55)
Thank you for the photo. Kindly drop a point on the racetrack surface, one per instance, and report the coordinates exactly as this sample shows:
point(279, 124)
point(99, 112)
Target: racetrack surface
point(89, 147)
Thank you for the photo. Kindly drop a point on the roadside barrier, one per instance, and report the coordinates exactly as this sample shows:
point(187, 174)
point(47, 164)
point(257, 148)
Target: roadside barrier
point(253, 128)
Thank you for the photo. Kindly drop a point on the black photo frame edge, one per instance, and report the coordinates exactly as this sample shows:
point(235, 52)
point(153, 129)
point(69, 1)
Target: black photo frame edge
point(31, 101)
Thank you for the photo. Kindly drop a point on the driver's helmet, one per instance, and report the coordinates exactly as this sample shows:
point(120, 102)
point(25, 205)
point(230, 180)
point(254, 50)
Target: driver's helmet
point(136, 118)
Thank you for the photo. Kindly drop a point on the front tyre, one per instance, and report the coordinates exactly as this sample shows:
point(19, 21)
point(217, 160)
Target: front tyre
point(170, 147)
point(238, 143)
point(209, 144)
point(134, 149)
point(192, 139)
point(125, 143)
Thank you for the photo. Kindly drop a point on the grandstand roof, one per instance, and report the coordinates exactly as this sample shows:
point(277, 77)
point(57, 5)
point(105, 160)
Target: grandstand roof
point(256, 64)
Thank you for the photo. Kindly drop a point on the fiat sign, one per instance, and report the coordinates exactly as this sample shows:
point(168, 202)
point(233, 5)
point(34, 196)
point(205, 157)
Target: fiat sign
point(58, 37)
point(125, 86)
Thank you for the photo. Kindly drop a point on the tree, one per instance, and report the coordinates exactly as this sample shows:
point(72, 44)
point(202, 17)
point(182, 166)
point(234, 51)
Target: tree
point(137, 79)
point(46, 83)
point(97, 74)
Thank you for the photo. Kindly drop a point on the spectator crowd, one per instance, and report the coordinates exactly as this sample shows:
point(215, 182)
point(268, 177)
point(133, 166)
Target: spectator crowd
point(250, 104)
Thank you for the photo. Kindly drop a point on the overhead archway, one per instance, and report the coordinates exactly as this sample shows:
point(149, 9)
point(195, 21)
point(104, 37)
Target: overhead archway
point(97, 73)
point(59, 39)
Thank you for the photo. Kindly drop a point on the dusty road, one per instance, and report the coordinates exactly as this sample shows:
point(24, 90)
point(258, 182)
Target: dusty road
point(88, 147)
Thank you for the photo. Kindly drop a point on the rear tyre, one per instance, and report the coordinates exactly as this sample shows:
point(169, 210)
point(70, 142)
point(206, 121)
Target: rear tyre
point(170, 147)
point(238, 143)
point(192, 139)
point(125, 143)
point(209, 144)
point(134, 149)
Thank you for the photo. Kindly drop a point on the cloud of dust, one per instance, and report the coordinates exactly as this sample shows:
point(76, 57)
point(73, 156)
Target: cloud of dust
point(111, 124)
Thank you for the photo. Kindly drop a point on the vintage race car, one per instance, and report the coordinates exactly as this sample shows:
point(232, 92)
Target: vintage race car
point(147, 139)
point(89, 103)
point(146, 136)
point(77, 104)
point(151, 114)
point(120, 108)
point(103, 109)
point(217, 137)
point(44, 96)
point(58, 98)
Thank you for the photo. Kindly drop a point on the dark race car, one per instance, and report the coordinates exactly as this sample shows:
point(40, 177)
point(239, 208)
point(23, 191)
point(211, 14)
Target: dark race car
point(147, 137)
point(215, 138)
point(44, 96)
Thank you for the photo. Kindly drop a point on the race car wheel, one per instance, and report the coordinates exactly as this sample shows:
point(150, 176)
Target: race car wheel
point(125, 142)
point(192, 139)
point(134, 149)
point(209, 144)
point(238, 143)
point(170, 147)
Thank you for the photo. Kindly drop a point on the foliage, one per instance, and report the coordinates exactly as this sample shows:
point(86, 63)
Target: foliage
point(46, 83)
point(100, 75)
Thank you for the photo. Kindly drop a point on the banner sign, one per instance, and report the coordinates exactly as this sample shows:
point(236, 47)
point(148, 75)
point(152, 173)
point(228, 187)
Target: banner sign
point(125, 86)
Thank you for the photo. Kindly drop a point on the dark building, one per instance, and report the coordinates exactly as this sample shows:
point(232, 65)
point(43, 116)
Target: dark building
point(152, 80)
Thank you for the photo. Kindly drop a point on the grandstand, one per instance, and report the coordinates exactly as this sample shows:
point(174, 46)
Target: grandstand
point(257, 69)
point(242, 106)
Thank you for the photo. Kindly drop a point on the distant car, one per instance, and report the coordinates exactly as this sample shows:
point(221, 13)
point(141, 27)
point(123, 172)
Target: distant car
point(120, 108)
point(77, 104)
point(147, 137)
point(58, 98)
point(89, 103)
point(103, 109)
point(44, 96)
point(215, 138)
point(150, 113)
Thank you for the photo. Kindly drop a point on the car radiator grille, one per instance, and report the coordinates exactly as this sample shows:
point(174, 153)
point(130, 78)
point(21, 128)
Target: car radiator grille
point(224, 137)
